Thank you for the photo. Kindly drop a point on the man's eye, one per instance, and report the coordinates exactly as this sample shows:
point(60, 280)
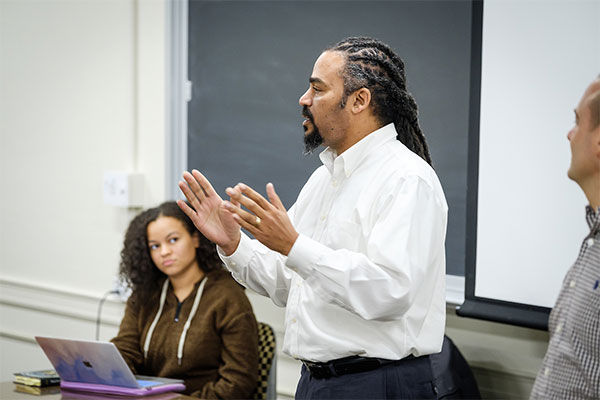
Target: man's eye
point(173, 240)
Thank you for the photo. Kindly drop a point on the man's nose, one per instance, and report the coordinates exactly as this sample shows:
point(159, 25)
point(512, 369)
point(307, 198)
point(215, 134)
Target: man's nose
point(305, 99)
point(570, 135)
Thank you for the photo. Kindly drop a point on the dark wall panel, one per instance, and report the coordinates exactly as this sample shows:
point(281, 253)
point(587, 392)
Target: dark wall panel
point(250, 61)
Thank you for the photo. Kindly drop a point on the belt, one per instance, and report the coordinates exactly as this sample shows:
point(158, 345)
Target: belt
point(348, 365)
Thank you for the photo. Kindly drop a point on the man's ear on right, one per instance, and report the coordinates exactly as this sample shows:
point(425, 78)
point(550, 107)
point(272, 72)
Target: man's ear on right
point(361, 99)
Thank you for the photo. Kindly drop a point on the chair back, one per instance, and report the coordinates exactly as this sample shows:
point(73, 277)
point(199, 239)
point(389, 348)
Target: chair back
point(266, 388)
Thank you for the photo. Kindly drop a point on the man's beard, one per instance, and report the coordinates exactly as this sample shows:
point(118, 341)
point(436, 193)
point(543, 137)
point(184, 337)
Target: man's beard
point(313, 139)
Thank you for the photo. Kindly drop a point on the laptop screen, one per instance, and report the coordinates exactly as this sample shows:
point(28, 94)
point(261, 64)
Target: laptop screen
point(88, 362)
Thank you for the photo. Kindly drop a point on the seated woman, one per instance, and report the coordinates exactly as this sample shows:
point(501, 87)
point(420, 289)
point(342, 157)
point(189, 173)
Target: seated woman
point(186, 318)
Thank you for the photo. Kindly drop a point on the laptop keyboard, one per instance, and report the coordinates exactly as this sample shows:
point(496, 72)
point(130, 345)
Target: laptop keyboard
point(144, 383)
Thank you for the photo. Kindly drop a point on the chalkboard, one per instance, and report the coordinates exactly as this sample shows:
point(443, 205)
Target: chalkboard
point(249, 62)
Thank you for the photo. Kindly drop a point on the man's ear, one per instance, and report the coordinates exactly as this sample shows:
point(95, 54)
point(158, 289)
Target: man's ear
point(361, 100)
point(595, 141)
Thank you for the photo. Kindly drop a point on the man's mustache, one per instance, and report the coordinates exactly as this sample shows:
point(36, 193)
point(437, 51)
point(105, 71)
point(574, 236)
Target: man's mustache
point(307, 114)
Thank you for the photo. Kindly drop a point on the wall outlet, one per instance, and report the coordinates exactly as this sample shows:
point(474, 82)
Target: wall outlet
point(121, 289)
point(123, 189)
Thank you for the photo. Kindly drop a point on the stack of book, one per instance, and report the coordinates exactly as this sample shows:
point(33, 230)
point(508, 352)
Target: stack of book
point(37, 378)
point(36, 390)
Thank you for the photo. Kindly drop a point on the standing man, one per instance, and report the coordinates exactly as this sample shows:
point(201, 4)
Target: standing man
point(571, 368)
point(359, 260)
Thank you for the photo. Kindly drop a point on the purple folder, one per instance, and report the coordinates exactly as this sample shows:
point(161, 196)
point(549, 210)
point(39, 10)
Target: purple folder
point(120, 390)
point(81, 395)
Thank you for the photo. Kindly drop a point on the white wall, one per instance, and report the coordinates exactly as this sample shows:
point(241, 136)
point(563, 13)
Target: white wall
point(77, 80)
point(82, 90)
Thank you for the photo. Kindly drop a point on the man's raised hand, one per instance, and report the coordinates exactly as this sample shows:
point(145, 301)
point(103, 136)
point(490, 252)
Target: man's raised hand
point(207, 211)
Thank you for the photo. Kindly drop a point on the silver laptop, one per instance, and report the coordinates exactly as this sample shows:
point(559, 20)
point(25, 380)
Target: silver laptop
point(99, 367)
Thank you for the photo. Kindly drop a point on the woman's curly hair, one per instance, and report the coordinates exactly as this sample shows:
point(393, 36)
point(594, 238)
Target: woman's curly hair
point(136, 266)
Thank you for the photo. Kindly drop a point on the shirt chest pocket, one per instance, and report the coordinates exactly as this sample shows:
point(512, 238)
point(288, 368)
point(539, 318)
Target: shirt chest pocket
point(344, 235)
point(586, 308)
point(594, 303)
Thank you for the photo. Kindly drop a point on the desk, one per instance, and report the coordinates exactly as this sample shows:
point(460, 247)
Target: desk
point(12, 391)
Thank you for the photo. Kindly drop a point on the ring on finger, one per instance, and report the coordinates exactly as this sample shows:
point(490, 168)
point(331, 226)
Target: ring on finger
point(257, 223)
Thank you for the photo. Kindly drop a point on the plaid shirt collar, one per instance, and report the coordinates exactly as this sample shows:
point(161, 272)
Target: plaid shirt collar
point(593, 219)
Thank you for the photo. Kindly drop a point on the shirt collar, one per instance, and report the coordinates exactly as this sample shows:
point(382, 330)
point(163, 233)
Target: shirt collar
point(351, 158)
point(593, 219)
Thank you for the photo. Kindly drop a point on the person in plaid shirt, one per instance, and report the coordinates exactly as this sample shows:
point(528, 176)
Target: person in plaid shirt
point(571, 367)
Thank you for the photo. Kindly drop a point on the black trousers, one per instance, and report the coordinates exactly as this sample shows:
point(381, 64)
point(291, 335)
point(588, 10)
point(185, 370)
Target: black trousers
point(409, 379)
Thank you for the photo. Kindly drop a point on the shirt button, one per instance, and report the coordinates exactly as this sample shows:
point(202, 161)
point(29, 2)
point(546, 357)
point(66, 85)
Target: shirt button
point(590, 242)
point(572, 284)
point(294, 320)
point(233, 264)
point(559, 328)
point(323, 217)
point(547, 371)
point(334, 183)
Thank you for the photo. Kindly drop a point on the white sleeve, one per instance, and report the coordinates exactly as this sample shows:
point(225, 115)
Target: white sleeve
point(404, 258)
point(259, 268)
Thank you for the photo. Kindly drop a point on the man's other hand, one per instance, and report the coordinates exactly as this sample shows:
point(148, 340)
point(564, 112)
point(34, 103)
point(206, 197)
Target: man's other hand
point(266, 220)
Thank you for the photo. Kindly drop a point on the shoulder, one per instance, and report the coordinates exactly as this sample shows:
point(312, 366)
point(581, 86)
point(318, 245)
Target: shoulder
point(222, 288)
point(140, 306)
point(222, 278)
point(394, 169)
point(402, 162)
point(139, 301)
point(225, 298)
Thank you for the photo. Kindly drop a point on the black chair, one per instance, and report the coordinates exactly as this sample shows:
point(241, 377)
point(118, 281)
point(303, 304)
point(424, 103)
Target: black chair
point(452, 375)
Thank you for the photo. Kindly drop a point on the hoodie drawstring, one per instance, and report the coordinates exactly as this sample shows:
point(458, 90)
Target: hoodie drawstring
point(163, 296)
point(189, 321)
point(186, 327)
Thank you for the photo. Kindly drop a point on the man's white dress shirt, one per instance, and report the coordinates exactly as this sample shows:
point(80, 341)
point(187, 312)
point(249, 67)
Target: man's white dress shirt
point(366, 276)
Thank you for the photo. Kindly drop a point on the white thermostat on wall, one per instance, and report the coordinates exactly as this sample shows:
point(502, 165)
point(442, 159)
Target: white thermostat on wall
point(123, 189)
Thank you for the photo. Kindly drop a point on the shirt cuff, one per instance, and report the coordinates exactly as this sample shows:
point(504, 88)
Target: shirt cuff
point(240, 257)
point(304, 255)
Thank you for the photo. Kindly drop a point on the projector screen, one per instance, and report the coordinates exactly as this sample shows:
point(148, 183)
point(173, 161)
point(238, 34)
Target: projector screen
point(537, 59)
